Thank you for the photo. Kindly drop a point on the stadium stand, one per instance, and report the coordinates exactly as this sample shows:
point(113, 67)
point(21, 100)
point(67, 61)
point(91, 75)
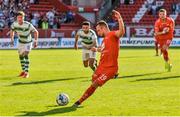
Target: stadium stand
point(63, 19)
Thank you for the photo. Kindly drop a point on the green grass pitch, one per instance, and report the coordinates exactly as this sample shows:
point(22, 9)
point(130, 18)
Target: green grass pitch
point(143, 87)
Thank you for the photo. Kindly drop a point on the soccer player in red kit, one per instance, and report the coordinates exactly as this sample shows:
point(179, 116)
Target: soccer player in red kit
point(164, 29)
point(109, 50)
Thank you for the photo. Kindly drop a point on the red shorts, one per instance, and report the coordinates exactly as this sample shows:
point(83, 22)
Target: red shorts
point(102, 75)
point(164, 43)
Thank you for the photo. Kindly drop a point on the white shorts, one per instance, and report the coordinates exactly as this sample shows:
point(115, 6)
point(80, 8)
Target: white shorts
point(86, 54)
point(24, 47)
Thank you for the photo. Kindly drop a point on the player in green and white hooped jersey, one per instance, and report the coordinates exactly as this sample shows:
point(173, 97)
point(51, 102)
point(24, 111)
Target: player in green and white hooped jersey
point(88, 40)
point(24, 30)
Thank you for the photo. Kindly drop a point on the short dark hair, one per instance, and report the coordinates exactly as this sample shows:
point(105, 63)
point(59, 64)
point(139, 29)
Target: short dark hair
point(162, 10)
point(20, 13)
point(102, 23)
point(86, 23)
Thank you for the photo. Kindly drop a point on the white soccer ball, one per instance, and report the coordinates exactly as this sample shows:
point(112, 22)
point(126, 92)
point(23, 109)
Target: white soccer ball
point(62, 99)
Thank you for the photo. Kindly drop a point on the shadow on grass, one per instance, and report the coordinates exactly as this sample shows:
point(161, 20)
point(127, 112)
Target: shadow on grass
point(8, 77)
point(161, 78)
point(131, 76)
point(132, 57)
point(45, 81)
point(139, 75)
point(50, 112)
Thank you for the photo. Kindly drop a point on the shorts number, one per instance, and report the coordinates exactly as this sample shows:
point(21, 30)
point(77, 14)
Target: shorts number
point(103, 77)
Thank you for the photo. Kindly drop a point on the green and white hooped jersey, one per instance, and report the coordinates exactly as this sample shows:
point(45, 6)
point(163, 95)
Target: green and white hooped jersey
point(23, 31)
point(87, 40)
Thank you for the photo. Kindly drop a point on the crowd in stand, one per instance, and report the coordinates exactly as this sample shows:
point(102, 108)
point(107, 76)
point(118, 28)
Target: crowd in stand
point(175, 8)
point(127, 2)
point(153, 7)
point(52, 19)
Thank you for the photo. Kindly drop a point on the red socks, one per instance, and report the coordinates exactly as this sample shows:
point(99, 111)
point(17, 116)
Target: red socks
point(165, 55)
point(87, 93)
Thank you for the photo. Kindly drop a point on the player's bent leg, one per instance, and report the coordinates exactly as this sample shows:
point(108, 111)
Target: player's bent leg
point(156, 48)
point(21, 59)
point(85, 63)
point(89, 91)
point(92, 64)
point(26, 75)
point(168, 65)
point(22, 62)
point(86, 94)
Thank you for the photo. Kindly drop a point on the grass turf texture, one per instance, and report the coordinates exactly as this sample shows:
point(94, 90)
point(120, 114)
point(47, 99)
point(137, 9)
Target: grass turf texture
point(143, 86)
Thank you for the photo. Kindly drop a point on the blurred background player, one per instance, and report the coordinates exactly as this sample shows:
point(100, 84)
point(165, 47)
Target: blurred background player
point(88, 40)
point(109, 49)
point(164, 29)
point(23, 30)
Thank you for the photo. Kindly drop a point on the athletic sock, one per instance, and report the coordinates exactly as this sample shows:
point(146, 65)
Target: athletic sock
point(87, 94)
point(22, 61)
point(165, 55)
point(26, 63)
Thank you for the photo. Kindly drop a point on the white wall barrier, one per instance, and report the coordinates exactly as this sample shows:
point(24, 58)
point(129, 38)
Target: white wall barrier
point(69, 42)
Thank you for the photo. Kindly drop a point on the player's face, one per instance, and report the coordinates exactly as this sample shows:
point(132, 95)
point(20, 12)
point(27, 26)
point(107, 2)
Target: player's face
point(162, 15)
point(99, 30)
point(20, 19)
point(85, 28)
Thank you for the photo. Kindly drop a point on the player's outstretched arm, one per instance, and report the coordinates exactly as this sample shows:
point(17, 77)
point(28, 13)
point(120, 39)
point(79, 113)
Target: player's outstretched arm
point(12, 37)
point(121, 31)
point(76, 40)
point(96, 49)
point(36, 36)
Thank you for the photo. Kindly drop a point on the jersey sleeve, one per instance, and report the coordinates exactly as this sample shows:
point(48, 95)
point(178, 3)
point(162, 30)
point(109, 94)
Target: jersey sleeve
point(32, 28)
point(156, 27)
point(172, 25)
point(12, 27)
point(94, 37)
point(78, 32)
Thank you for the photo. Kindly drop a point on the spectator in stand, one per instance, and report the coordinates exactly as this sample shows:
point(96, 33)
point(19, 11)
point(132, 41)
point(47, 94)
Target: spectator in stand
point(56, 23)
point(126, 2)
point(16, 2)
point(51, 15)
point(153, 9)
point(75, 3)
point(73, 33)
point(1, 2)
point(178, 8)
point(6, 3)
point(62, 18)
point(159, 5)
point(36, 1)
point(35, 20)
point(173, 8)
point(121, 1)
point(44, 24)
point(70, 17)
point(131, 1)
point(112, 24)
point(2, 23)
point(149, 8)
point(31, 1)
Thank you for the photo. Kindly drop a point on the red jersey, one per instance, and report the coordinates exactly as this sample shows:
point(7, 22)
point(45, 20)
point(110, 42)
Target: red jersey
point(160, 25)
point(110, 51)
